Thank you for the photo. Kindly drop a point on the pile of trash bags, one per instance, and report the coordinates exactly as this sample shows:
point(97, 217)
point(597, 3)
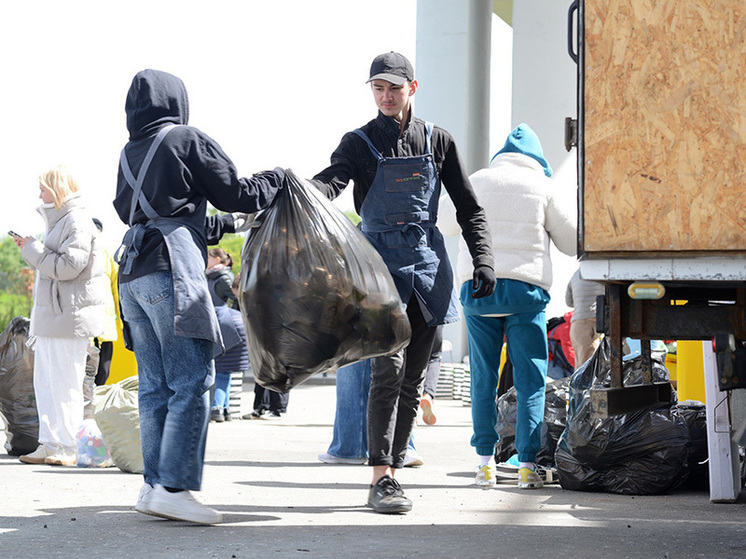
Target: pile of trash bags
point(314, 293)
point(17, 400)
point(644, 452)
point(555, 418)
point(650, 451)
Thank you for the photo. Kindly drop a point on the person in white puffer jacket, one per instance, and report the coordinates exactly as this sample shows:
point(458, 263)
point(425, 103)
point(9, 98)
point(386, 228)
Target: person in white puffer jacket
point(525, 212)
point(71, 294)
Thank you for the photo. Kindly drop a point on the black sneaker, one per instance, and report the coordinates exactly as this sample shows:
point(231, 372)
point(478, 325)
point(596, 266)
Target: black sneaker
point(227, 415)
point(216, 415)
point(387, 497)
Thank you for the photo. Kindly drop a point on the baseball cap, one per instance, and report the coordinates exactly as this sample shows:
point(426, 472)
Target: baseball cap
point(392, 67)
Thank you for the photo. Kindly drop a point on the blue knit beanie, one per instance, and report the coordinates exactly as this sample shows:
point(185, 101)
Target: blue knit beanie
point(524, 140)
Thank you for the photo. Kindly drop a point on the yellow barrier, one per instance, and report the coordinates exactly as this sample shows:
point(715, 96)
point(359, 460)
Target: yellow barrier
point(123, 362)
point(690, 374)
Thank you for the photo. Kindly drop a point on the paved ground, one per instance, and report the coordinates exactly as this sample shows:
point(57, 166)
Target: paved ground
point(279, 501)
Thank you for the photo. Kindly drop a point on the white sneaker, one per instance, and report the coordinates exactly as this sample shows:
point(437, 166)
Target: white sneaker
point(38, 456)
point(412, 459)
point(62, 458)
point(331, 459)
point(143, 499)
point(181, 506)
point(486, 476)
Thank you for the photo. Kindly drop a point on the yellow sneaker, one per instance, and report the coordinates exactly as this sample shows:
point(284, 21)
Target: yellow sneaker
point(529, 479)
point(486, 476)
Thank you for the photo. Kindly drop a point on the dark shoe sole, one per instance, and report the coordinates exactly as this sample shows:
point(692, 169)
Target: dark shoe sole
point(403, 509)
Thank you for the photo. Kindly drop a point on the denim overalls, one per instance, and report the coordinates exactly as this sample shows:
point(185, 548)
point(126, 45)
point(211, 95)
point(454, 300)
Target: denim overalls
point(195, 315)
point(398, 218)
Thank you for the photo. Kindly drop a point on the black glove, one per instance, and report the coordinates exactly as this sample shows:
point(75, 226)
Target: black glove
point(484, 282)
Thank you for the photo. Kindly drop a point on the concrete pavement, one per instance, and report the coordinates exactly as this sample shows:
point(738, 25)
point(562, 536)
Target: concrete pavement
point(279, 501)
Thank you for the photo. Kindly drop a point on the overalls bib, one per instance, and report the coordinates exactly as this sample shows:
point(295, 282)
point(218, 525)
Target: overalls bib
point(398, 218)
point(194, 313)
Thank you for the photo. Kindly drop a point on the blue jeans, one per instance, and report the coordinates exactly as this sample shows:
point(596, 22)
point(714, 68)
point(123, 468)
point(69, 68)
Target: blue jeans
point(222, 397)
point(175, 374)
point(527, 347)
point(350, 438)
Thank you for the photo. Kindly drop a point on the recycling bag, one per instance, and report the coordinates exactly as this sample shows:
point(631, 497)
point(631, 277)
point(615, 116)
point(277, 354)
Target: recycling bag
point(314, 293)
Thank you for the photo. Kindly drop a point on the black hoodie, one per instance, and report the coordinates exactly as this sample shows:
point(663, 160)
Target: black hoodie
point(189, 167)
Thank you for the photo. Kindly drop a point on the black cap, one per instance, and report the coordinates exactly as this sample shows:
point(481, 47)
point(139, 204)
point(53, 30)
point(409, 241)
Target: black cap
point(392, 67)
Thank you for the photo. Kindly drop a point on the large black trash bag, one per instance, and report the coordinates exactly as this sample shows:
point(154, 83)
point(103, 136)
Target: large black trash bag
point(555, 415)
point(17, 399)
point(644, 452)
point(314, 293)
point(694, 415)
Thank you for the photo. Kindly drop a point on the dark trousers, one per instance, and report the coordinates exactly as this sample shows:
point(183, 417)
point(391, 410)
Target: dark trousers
point(395, 386)
point(265, 399)
point(106, 351)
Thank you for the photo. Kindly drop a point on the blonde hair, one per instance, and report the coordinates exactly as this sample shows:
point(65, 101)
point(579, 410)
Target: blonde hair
point(60, 183)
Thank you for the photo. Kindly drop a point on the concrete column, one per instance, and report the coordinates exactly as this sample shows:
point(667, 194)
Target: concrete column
point(544, 75)
point(544, 93)
point(453, 70)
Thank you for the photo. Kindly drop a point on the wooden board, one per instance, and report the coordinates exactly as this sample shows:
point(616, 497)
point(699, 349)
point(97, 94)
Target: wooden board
point(664, 125)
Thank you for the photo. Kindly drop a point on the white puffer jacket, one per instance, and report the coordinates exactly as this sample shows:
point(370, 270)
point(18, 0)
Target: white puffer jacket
point(71, 290)
point(524, 212)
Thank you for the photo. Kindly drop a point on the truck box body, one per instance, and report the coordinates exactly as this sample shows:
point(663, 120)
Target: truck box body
point(662, 136)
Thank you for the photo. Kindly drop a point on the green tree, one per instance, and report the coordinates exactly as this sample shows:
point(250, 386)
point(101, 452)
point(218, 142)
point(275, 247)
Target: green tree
point(15, 283)
point(232, 244)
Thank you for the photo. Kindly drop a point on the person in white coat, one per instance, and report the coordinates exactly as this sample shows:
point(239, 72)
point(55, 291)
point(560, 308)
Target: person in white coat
point(71, 294)
point(524, 212)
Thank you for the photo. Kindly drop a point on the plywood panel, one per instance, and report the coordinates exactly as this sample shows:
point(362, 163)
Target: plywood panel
point(664, 125)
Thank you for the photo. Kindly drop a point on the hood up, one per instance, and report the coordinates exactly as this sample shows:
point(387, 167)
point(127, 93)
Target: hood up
point(155, 99)
point(524, 140)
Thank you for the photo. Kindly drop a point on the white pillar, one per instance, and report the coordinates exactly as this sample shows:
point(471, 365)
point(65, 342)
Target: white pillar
point(452, 68)
point(544, 75)
point(544, 93)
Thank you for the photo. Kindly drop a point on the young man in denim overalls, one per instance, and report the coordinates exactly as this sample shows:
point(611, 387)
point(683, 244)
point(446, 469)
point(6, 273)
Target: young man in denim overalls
point(397, 163)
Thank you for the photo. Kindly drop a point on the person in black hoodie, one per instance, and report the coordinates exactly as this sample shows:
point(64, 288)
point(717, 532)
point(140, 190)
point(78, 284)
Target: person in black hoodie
point(168, 172)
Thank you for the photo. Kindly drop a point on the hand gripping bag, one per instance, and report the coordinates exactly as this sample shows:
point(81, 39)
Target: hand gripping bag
point(314, 293)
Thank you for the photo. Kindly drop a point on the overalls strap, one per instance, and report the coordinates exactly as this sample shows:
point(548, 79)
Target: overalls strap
point(136, 183)
point(378, 155)
point(130, 249)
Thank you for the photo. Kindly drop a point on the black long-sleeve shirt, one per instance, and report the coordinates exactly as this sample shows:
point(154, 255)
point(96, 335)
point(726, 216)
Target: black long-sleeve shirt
point(188, 169)
point(353, 161)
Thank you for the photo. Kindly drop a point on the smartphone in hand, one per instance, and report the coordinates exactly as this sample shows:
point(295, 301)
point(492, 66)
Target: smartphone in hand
point(14, 234)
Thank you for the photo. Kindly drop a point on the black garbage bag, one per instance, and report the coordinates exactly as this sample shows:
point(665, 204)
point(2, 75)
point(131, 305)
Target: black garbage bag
point(314, 293)
point(555, 415)
point(17, 400)
point(644, 452)
point(694, 415)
